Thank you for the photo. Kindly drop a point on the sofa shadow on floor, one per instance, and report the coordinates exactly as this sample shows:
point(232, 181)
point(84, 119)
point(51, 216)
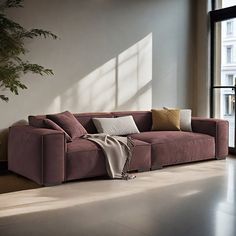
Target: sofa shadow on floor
point(10, 182)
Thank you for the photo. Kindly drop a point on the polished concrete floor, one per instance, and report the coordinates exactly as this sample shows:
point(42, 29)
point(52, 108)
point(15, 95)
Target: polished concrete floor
point(192, 200)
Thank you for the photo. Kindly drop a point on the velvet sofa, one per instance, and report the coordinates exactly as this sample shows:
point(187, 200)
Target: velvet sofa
point(44, 156)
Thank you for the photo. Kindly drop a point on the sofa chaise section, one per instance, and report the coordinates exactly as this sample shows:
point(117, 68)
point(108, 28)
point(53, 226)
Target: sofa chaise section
point(176, 147)
point(209, 140)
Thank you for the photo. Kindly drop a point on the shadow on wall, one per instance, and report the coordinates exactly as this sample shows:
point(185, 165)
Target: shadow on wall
point(124, 82)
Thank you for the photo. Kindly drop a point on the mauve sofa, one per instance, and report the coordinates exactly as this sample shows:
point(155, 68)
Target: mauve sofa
point(43, 155)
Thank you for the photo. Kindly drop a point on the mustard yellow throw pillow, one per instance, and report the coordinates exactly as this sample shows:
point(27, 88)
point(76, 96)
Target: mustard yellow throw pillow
point(166, 120)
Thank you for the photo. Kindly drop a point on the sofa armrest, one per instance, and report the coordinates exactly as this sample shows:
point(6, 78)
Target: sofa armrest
point(217, 128)
point(37, 154)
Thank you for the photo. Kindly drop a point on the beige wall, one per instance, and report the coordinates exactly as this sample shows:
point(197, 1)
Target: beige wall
point(201, 105)
point(201, 75)
point(112, 55)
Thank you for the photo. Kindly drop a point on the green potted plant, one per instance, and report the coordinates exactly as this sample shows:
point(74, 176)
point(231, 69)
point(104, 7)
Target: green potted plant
point(12, 48)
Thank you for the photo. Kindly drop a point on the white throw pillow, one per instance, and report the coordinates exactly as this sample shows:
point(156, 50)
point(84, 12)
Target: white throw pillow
point(116, 126)
point(185, 119)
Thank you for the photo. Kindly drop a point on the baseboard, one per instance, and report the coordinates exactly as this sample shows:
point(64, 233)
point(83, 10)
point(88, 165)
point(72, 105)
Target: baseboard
point(3, 167)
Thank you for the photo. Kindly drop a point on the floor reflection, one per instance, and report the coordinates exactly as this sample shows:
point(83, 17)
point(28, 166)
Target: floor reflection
point(226, 210)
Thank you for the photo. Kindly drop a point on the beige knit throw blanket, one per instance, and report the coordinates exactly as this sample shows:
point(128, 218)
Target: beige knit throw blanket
point(118, 153)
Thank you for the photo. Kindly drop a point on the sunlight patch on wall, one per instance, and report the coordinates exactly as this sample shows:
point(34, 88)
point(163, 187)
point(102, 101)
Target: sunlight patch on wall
point(135, 76)
point(96, 91)
point(122, 83)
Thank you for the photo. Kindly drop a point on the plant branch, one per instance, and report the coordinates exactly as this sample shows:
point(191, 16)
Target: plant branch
point(12, 47)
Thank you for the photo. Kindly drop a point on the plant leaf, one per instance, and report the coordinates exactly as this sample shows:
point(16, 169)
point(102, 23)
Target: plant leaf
point(4, 98)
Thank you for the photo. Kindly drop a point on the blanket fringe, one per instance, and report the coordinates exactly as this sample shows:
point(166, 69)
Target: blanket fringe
point(125, 174)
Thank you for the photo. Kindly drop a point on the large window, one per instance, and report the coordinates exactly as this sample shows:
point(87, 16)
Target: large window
point(223, 65)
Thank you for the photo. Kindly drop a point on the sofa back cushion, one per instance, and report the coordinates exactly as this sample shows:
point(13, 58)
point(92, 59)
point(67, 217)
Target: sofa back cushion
point(143, 119)
point(86, 120)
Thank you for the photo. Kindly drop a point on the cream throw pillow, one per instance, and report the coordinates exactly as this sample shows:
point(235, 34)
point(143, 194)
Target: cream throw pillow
point(166, 120)
point(116, 126)
point(185, 120)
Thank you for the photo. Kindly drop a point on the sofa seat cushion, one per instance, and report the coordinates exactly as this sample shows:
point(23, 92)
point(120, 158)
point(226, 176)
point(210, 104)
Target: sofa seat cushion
point(167, 136)
point(141, 158)
point(85, 158)
point(175, 147)
point(81, 145)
